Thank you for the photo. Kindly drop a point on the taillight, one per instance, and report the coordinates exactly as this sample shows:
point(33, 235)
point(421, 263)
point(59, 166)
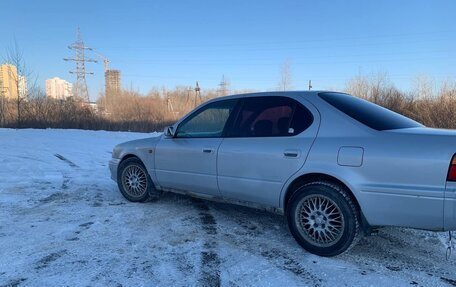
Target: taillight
point(452, 170)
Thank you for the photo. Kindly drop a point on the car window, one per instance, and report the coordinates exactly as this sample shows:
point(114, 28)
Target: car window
point(208, 122)
point(271, 117)
point(367, 113)
point(302, 119)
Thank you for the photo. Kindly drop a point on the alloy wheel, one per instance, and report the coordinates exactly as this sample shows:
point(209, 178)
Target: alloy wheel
point(319, 220)
point(134, 180)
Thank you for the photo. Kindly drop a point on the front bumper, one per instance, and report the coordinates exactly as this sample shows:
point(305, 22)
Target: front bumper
point(113, 165)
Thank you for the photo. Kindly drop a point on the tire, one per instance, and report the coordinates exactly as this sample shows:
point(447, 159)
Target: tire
point(134, 181)
point(323, 218)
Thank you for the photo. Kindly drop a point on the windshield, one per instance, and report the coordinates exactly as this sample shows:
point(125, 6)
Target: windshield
point(367, 113)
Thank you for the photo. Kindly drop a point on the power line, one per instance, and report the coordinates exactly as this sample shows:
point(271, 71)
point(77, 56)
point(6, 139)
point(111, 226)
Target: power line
point(355, 58)
point(281, 43)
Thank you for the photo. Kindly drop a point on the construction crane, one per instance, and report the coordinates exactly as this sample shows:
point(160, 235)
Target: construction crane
point(105, 60)
point(112, 77)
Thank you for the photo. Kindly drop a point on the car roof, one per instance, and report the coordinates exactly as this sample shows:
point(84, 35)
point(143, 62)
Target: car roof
point(306, 94)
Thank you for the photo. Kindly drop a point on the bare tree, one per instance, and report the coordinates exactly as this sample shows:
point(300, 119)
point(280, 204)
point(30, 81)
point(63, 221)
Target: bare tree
point(358, 86)
point(374, 87)
point(2, 103)
point(21, 78)
point(423, 87)
point(285, 82)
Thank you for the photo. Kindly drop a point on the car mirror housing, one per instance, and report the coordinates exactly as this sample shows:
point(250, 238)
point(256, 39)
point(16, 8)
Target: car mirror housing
point(169, 132)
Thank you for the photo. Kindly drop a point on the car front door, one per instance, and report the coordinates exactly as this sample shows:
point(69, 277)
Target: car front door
point(268, 142)
point(187, 161)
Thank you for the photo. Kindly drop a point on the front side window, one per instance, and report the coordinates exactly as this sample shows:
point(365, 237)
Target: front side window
point(209, 122)
point(271, 117)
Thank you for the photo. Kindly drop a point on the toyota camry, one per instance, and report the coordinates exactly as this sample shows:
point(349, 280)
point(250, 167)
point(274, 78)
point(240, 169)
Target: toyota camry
point(334, 165)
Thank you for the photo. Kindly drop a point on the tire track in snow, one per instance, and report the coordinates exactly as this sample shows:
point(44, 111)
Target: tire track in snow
point(66, 177)
point(251, 227)
point(210, 261)
point(286, 262)
point(14, 282)
point(69, 162)
point(390, 253)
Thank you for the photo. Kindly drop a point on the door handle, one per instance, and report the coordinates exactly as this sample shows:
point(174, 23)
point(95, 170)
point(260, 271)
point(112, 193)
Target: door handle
point(208, 150)
point(292, 153)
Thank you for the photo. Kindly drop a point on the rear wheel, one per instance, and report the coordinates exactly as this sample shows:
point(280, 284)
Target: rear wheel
point(323, 218)
point(134, 182)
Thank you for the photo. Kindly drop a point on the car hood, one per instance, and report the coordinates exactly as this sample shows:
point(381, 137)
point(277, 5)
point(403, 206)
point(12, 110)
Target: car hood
point(139, 142)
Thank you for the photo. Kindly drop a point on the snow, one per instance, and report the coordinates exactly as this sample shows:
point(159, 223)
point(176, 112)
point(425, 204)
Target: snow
point(64, 223)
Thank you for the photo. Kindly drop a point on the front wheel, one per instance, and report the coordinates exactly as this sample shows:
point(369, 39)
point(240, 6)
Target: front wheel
point(323, 218)
point(134, 182)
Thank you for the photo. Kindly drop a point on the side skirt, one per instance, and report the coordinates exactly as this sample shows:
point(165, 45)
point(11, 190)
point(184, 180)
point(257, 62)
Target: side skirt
point(221, 199)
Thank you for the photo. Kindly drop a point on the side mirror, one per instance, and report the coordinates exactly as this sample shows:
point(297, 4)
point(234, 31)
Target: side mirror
point(169, 132)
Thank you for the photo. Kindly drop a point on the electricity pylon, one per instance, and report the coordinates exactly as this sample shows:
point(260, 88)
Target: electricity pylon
point(80, 88)
point(223, 86)
point(197, 94)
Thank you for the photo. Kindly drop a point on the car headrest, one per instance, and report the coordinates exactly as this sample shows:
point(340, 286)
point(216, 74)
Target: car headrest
point(262, 128)
point(282, 125)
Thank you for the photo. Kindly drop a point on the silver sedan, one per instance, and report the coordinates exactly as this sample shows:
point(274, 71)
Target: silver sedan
point(335, 165)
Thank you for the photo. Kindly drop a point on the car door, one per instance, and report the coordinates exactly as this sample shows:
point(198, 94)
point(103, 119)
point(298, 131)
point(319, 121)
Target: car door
point(268, 142)
point(187, 161)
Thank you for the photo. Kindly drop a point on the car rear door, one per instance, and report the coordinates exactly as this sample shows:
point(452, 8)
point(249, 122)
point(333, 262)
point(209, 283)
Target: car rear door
point(187, 161)
point(267, 143)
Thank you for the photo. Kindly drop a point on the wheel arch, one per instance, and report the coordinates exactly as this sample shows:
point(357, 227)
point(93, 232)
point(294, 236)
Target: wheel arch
point(132, 155)
point(129, 155)
point(312, 177)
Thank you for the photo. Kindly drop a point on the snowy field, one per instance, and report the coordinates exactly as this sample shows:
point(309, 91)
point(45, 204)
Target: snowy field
point(64, 223)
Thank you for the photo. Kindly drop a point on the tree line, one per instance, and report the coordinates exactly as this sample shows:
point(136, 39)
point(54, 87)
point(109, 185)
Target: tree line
point(131, 111)
point(427, 102)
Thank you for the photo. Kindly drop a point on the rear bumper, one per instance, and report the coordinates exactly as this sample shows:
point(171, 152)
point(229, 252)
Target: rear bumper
point(113, 164)
point(450, 207)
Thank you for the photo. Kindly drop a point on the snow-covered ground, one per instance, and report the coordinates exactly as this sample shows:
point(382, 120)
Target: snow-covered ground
point(64, 223)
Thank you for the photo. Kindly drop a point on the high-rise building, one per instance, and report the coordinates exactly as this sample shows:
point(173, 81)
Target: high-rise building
point(112, 85)
point(9, 81)
point(22, 85)
point(59, 89)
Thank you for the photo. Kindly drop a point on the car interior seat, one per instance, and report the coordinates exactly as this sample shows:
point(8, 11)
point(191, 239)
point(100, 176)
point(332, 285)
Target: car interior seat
point(282, 125)
point(262, 128)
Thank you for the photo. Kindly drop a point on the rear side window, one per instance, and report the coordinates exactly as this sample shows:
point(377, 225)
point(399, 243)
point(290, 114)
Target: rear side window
point(367, 113)
point(271, 117)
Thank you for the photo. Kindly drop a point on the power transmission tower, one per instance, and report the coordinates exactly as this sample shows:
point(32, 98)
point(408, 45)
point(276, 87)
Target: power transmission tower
point(223, 86)
point(80, 87)
point(197, 94)
point(187, 100)
point(169, 104)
